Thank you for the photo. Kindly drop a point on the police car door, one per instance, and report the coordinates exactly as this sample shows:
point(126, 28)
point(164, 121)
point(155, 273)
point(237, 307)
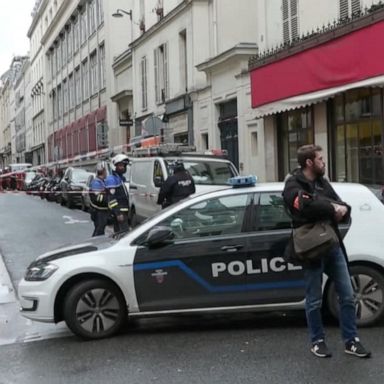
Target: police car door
point(204, 266)
point(271, 280)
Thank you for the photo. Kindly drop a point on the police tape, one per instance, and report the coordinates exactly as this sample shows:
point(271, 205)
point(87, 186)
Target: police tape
point(48, 192)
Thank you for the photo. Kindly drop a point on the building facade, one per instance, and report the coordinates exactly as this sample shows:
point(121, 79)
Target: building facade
point(318, 78)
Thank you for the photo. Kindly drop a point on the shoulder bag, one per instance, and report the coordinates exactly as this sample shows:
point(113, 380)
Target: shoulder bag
point(312, 241)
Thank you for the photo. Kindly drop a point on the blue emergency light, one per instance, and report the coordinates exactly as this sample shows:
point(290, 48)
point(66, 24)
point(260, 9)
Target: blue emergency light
point(242, 181)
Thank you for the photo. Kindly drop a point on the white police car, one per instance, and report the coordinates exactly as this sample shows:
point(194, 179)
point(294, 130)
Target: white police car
point(216, 252)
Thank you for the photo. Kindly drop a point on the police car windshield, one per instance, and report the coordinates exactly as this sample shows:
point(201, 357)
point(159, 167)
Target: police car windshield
point(206, 172)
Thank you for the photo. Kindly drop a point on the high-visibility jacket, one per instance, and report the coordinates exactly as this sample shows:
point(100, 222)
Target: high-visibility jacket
point(117, 194)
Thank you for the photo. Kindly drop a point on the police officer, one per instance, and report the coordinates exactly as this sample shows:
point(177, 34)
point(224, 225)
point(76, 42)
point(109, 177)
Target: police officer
point(117, 194)
point(177, 187)
point(99, 204)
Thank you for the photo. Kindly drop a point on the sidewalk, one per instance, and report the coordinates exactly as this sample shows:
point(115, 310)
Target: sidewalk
point(14, 327)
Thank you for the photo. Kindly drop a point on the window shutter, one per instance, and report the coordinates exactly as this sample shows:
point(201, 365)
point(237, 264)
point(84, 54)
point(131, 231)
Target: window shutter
point(166, 85)
point(156, 65)
point(355, 7)
point(294, 20)
point(343, 9)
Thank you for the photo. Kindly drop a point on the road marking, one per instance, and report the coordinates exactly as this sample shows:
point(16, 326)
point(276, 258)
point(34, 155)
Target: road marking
point(71, 220)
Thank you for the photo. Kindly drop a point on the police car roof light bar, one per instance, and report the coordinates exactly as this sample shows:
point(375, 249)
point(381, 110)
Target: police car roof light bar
point(242, 181)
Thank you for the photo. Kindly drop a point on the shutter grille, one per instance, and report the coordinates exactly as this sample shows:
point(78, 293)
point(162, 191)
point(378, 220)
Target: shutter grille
point(294, 28)
point(356, 7)
point(286, 31)
point(293, 8)
point(343, 9)
point(285, 10)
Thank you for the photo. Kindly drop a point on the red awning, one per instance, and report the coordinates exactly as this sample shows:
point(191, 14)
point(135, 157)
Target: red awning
point(344, 60)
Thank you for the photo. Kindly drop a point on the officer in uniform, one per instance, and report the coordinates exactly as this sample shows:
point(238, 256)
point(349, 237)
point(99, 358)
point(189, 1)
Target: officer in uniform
point(117, 194)
point(177, 187)
point(99, 204)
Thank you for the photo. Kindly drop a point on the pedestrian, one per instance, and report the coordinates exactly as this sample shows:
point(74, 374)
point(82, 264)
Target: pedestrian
point(99, 203)
point(117, 194)
point(310, 198)
point(177, 186)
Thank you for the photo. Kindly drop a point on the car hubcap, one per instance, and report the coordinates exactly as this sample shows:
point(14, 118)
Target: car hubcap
point(97, 310)
point(369, 296)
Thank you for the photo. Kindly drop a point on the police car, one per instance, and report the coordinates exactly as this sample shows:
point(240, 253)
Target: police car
point(213, 253)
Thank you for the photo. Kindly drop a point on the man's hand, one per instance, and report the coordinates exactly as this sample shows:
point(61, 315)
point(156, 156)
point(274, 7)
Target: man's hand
point(120, 218)
point(340, 211)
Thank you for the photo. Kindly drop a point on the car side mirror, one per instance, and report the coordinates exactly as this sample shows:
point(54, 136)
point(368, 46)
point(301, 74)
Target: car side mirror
point(158, 180)
point(159, 236)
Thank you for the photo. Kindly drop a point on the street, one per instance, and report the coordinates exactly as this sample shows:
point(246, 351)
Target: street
point(241, 348)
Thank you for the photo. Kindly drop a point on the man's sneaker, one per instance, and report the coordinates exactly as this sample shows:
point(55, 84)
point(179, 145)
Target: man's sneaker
point(354, 347)
point(320, 349)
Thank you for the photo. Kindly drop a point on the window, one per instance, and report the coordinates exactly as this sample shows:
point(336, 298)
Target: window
point(76, 34)
point(183, 61)
point(85, 77)
point(102, 66)
point(71, 93)
point(206, 172)
point(92, 16)
point(295, 128)
point(70, 43)
point(84, 27)
point(64, 50)
point(59, 102)
point(271, 213)
point(161, 73)
point(214, 217)
point(79, 96)
point(158, 175)
point(349, 8)
point(144, 96)
point(65, 96)
point(100, 12)
point(58, 57)
point(290, 20)
point(94, 73)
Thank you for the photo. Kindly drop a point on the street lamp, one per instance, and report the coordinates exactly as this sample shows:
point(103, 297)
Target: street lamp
point(119, 13)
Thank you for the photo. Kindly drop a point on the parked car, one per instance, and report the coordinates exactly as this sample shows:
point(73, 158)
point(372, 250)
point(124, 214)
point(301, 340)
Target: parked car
point(86, 200)
point(148, 173)
point(213, 253)
point(72, 185)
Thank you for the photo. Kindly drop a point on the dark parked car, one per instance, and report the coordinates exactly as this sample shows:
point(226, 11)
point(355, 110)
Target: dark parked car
point(72, 185)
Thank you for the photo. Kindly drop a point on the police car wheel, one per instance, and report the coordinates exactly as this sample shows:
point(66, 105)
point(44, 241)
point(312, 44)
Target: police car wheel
point(95, 309)
point(368, 285)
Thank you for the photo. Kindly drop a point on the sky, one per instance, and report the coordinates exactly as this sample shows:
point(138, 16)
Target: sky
point(15, 20)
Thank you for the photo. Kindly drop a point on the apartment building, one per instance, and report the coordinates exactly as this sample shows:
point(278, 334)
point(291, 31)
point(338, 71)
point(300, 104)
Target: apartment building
point(12, 111)
point(78, 42)
point(37, 136)
point(189, 73)
point(318, 78)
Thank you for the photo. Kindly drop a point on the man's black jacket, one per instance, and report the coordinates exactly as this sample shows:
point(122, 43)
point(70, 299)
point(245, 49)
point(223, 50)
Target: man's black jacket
point(309, 202)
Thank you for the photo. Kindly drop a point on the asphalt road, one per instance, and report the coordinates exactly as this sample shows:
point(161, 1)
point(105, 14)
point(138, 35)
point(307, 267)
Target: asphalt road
point(243, 348)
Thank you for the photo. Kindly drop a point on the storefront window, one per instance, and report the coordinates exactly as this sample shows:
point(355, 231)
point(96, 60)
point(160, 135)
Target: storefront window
point(295, 129)
point(358, 137)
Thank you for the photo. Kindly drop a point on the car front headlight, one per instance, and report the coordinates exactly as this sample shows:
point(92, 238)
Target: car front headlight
point(39, 271)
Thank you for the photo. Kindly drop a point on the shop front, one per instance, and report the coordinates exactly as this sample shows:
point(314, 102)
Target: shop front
point(325, 91)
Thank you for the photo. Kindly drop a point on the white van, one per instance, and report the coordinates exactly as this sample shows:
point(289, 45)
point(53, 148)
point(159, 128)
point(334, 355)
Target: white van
point(148, 173)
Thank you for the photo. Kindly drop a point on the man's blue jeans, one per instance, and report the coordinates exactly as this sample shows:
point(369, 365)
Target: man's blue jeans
point(336, 268)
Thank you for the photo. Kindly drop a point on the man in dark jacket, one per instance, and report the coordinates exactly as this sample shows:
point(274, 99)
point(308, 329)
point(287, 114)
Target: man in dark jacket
point(99, 203)
point(310, 198)
point(177, 187)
